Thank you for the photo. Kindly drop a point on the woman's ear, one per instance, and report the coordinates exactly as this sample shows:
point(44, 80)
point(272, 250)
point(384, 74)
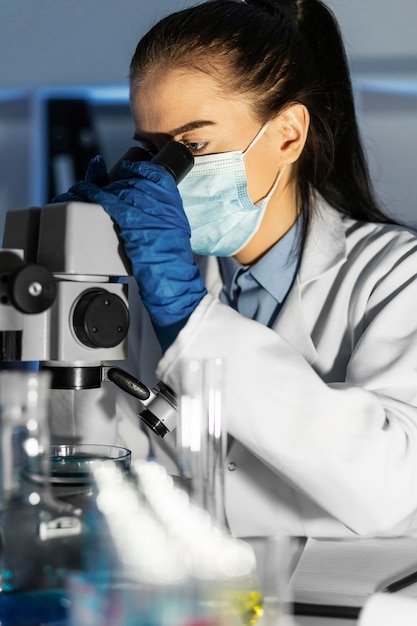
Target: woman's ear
point(291, 127)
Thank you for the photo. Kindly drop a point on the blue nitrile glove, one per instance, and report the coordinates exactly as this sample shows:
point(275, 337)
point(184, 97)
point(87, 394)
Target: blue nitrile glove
point(147, 207)
point(96, 173)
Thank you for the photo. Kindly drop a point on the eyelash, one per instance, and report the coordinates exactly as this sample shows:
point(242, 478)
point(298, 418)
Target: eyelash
point(195, 146)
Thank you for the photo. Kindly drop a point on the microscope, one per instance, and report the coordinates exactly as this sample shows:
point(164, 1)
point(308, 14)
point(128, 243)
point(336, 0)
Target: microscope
point(63, 294)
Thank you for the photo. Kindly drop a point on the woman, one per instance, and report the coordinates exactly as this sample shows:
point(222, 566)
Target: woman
point(304, 286)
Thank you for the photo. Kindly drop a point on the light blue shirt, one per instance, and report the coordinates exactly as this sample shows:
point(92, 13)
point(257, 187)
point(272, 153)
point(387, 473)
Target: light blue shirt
point(258, 291)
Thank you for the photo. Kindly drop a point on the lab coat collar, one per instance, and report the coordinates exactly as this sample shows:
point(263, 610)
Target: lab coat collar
point(325, 247)
point(291, 325)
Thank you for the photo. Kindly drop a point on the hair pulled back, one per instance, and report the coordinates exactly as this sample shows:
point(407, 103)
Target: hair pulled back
point(280, 52)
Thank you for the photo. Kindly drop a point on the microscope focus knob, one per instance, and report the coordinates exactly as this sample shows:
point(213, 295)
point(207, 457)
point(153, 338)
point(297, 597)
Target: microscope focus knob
point(100, 319)
point(32, 289)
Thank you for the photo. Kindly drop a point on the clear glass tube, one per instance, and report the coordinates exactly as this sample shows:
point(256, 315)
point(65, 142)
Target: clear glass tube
point(24, 430)
point(201, 434)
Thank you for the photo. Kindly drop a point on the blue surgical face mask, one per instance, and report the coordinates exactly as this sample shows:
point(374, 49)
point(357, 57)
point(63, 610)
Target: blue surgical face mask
point(223, 218)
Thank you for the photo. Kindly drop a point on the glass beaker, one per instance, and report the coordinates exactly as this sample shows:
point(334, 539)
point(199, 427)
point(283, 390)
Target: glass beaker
point(70, 469)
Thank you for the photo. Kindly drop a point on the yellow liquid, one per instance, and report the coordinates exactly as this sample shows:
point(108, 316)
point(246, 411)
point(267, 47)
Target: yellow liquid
point(242, 604)
point(249, 606)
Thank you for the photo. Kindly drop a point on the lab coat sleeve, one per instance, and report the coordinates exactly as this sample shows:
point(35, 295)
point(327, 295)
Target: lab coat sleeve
point(351, 446)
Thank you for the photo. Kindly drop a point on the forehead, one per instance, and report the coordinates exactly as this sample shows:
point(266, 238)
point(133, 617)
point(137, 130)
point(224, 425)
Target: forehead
point(169, 99)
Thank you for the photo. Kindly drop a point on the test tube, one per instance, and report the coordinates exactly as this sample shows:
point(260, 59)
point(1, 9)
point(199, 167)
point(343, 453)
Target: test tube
point(201, 434)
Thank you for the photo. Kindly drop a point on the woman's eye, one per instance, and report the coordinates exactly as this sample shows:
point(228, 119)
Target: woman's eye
point(195, 146)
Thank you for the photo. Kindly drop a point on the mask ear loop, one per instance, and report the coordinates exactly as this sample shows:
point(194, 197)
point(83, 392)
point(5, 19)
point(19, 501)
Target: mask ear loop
point(266, 198)
point(256, 138)
point(280, 173)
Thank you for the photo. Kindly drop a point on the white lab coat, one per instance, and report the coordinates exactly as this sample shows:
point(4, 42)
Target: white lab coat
point(323, 407)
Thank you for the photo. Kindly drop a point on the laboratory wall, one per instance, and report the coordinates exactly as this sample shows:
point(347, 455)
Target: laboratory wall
point(79, 48)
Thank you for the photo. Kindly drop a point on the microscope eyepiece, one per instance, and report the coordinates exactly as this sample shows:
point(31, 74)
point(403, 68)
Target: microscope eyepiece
point(174, 157)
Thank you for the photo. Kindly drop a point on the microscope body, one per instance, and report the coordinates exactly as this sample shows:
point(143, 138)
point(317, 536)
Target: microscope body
point(87, 323)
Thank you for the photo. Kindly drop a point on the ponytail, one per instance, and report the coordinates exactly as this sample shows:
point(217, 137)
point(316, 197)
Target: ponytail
point(333, 162)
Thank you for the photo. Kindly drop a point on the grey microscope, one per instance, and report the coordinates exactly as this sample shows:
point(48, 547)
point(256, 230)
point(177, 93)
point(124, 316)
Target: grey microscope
point(63, 295)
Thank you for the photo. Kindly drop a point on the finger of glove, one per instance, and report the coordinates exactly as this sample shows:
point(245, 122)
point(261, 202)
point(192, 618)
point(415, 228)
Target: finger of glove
point(137, 204)
point(89, 192)
point(68, 196)
point(150, 204)
point(97, 171)
point(150, 171)
point(123, 213)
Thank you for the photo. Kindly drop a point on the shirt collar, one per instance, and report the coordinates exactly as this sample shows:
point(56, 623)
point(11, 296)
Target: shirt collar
point(274, 271)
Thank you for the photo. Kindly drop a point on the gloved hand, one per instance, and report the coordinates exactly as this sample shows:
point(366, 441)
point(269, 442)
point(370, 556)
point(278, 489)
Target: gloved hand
point(96, 173)
point(147, 207)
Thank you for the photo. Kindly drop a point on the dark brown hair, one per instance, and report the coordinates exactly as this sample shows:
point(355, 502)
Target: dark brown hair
point(280, 52)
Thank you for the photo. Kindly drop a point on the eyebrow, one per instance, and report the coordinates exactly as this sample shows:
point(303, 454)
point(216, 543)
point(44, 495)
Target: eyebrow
point(185, 128)
point(191, 126)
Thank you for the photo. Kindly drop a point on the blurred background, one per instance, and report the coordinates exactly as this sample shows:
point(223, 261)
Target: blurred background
point(64, 96)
